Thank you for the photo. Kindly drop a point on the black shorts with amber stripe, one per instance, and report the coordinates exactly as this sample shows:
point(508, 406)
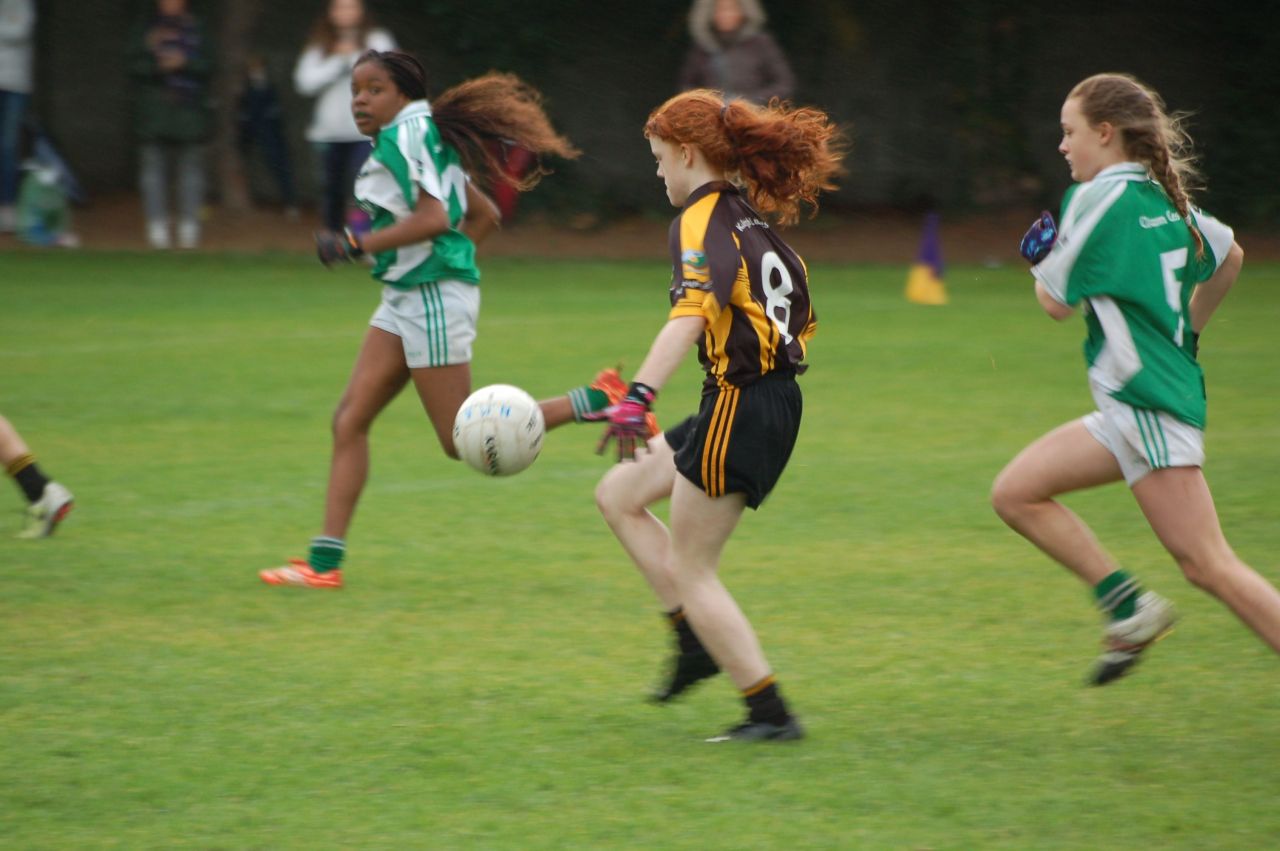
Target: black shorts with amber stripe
point(741, 437)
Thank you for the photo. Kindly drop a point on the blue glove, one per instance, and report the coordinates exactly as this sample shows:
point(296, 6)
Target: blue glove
point(332, 247)
point(1039, 239)
point(628, 420)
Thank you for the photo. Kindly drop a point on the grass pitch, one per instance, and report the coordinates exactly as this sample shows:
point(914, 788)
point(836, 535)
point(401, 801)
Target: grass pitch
point(479, 682)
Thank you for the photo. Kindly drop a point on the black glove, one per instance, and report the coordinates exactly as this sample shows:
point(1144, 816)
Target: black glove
point(332, 247)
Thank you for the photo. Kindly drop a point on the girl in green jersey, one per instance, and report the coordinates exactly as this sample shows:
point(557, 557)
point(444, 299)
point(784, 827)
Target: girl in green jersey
point(427, 218)
point(1149, 270)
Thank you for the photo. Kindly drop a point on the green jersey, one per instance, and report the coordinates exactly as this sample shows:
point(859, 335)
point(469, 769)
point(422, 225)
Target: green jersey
point(1124, 252)
point(410, 158)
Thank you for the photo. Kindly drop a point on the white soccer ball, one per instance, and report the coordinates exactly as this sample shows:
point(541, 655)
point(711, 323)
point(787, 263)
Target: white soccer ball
point(498, 430)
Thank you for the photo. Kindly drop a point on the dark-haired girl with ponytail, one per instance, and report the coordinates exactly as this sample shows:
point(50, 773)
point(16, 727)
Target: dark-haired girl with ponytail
point(1148, 270)
point(740, 295)
point(427, 215)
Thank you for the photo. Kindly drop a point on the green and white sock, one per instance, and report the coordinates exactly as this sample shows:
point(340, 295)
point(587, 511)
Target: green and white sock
point(326, 554)
point(587, 400)
point(1117, 595)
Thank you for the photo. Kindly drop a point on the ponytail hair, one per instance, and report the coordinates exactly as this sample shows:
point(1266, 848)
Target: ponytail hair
point(480, 117)
point(1150, 135)
point(783, 156)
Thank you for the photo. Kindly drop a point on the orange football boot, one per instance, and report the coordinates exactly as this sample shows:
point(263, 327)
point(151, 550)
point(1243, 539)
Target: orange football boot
point(298, 572)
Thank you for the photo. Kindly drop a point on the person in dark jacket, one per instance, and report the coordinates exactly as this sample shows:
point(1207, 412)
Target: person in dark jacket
point(260, 125)
point(733, 53)
point(171, 61)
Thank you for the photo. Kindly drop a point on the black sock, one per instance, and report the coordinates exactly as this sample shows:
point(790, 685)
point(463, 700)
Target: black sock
point(27, 474)
point(686, 638)
point(765, 704)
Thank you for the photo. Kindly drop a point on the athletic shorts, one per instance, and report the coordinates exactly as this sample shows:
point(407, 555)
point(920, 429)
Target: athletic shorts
point(436, 322)
point(1143, 440)
point(741, 437)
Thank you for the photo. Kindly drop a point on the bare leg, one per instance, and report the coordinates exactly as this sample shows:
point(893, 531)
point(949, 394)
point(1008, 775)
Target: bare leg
point(379, 375)
point(1066, 459)
point(442, 390)
point(700, 526)
point(1180, 509)
point(624, 496)
point(12, 447)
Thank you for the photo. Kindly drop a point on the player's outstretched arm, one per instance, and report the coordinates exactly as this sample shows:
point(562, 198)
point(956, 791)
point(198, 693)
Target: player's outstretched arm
point(628, 420)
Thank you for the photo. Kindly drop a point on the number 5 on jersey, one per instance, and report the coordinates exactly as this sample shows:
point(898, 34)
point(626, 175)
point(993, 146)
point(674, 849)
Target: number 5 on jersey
point(1171, 262)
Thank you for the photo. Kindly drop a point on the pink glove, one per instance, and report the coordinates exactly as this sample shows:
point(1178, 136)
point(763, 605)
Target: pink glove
point(628, 420)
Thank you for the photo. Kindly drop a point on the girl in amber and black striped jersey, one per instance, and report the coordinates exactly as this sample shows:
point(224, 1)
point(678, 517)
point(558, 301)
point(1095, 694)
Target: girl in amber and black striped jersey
point(741, 294)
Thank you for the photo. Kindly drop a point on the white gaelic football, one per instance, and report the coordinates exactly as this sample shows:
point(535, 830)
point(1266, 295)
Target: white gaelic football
point(498, 430)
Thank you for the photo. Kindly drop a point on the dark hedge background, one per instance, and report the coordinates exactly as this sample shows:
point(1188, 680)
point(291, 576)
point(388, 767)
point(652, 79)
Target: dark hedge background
point(949, 105)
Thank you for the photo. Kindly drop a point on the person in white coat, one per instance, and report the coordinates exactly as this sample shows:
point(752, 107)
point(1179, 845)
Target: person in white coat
point(337, 39)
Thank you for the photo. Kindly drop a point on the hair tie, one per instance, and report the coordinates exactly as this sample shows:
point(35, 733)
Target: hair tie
point(724, 110)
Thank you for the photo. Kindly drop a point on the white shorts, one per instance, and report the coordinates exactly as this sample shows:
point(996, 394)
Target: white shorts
point(1143, 440)
point(435, 322)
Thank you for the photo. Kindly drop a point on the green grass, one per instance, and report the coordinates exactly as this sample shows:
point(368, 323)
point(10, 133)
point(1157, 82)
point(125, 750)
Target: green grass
point(478, 684)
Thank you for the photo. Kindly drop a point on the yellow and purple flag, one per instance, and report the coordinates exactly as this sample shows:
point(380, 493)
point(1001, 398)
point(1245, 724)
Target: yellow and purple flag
point(924, 281)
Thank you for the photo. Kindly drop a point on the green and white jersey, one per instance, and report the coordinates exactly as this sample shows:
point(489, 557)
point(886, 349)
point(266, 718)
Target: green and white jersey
point(410, 158)
point(1124, 251)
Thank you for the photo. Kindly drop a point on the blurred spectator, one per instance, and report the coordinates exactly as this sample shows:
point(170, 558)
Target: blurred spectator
point(261, 126)
point(17, 31)
point(337, 39)
point(44, 211)
point(733, 53)
point(171, 59)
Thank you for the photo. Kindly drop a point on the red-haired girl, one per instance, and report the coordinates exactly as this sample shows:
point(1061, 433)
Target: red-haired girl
point(1149, 270)
point(740, 294)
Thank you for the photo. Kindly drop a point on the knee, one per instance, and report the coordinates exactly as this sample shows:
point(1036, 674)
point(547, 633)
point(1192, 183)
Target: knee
point(1007, 500)
point(606, 500)
point(348, 422)
point(1205, 571)
point(1197, 574)
point(611, 499)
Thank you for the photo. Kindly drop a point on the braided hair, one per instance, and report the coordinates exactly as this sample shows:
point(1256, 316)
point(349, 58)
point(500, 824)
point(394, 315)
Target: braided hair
point(1150, 135)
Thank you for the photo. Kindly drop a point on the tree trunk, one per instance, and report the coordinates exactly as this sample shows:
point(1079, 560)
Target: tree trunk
point(238, 18)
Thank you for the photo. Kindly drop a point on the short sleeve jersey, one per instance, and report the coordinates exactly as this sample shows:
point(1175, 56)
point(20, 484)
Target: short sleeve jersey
point(750, 288)
point(408, 159)
point(1125, 252)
